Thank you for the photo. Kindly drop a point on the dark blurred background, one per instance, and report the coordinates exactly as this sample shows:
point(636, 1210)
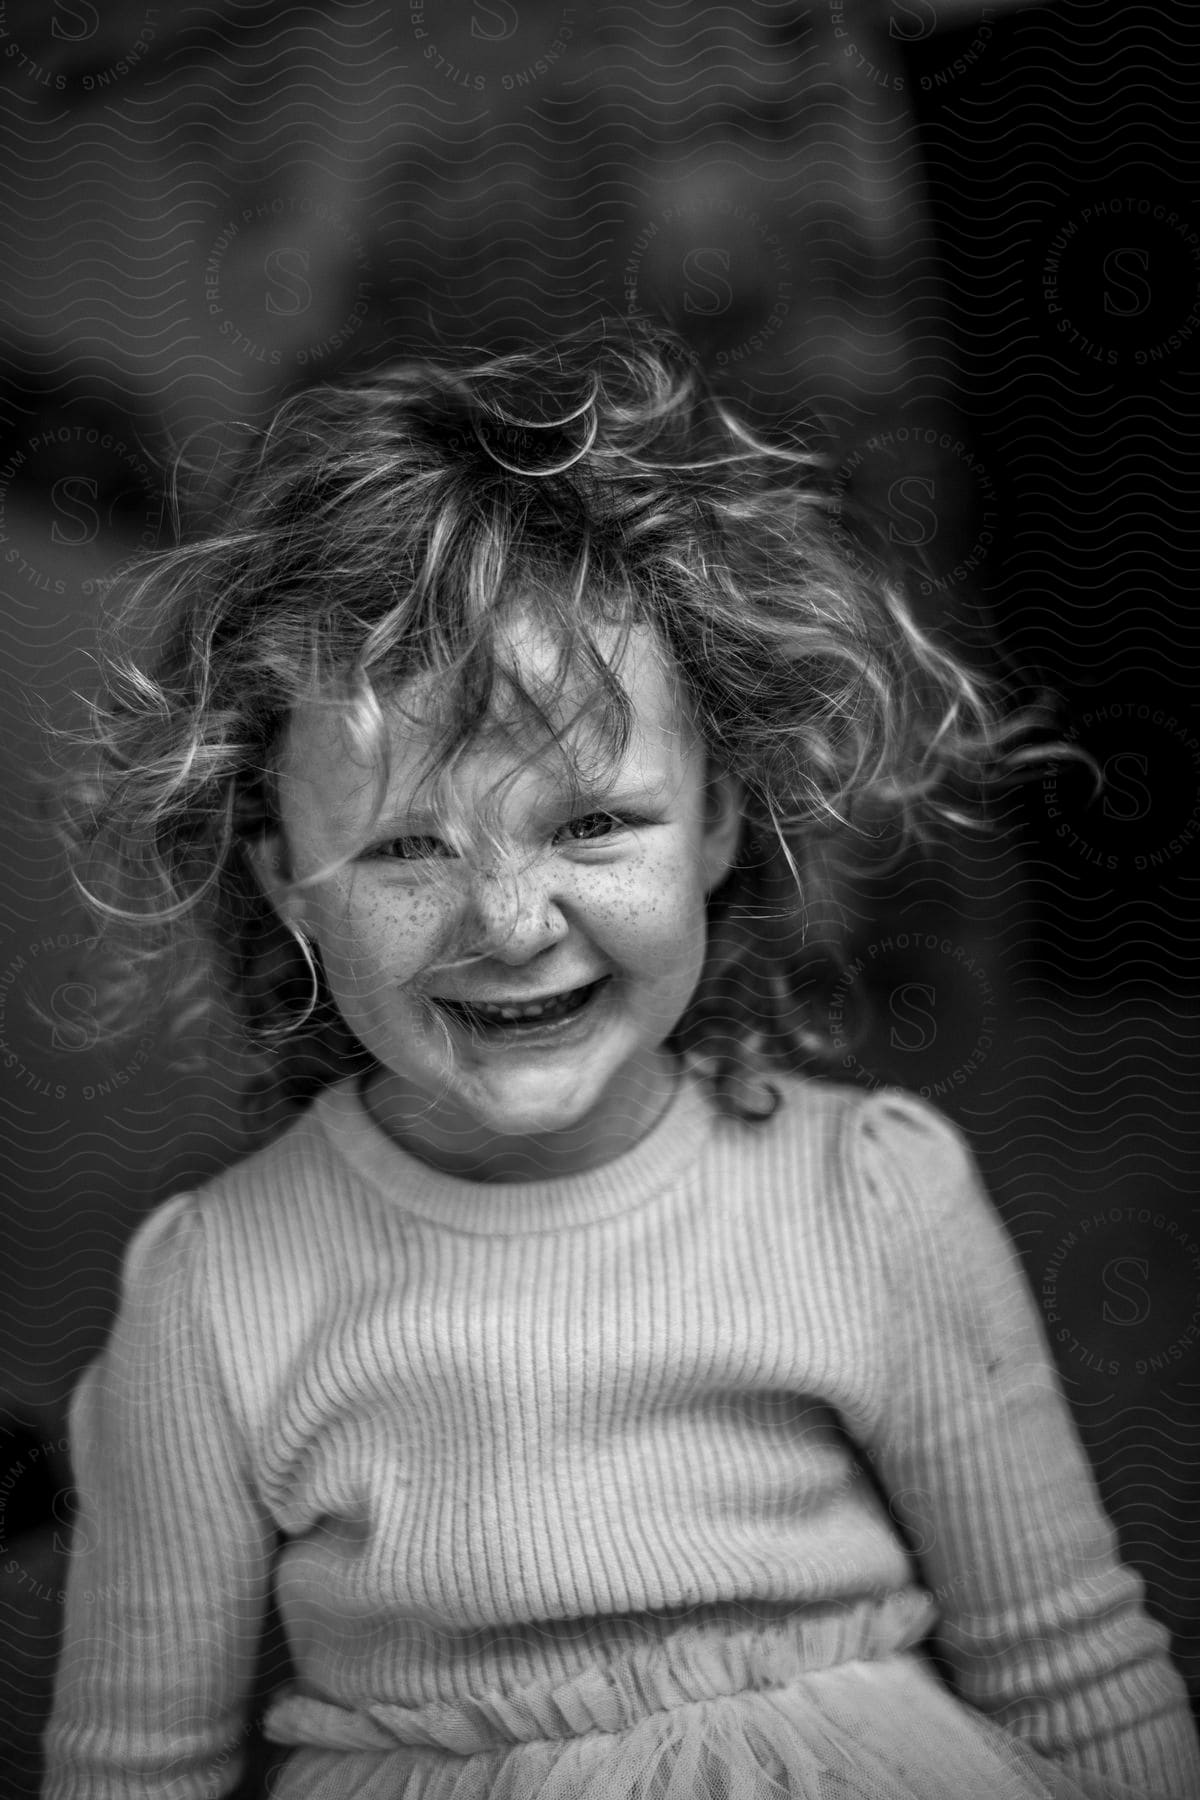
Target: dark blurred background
point(961, 245)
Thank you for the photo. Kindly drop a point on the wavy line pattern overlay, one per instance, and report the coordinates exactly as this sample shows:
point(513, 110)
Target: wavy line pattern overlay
point(959, 243)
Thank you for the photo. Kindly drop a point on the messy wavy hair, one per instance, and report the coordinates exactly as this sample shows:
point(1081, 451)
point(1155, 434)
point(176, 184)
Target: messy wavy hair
point(387, 527)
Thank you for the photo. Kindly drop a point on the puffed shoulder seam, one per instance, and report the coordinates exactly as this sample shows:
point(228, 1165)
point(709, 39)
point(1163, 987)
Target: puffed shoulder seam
point(152, 1238)
point(899, 1106)
point(898, 1147)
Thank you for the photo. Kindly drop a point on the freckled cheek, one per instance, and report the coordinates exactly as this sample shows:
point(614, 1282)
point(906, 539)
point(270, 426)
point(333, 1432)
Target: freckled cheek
point(381, 942)
point(656, 925)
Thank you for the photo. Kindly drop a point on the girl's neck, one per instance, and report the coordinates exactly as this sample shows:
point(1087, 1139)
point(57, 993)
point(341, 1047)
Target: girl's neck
point(475, 1153)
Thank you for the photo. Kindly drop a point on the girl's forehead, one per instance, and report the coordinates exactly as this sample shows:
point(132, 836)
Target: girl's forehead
point(330, 745)
point(532, 665)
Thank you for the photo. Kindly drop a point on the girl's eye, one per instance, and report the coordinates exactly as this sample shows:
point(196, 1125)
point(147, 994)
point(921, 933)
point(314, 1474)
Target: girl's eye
point(413, 849)
point(593, 828)
point(588, 828)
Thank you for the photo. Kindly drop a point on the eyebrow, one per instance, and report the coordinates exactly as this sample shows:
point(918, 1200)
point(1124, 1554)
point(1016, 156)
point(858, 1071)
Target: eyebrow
point(599, 799)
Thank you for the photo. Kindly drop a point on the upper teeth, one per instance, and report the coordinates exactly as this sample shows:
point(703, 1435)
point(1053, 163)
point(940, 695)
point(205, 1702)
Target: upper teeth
point(533, 1010)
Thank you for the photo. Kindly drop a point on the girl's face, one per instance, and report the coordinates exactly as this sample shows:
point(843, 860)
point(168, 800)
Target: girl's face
point(515, 989)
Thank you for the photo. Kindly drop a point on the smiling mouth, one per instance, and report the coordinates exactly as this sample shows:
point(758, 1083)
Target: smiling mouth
point(521, 1017)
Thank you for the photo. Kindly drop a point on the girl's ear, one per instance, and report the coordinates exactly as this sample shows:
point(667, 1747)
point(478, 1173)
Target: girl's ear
point(267, 856)
point(724, 800)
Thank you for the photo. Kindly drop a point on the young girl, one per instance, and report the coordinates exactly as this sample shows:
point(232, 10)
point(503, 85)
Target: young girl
point(619, 1412)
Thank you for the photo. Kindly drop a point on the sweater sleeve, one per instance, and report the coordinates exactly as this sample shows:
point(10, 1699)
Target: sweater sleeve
point(170, 1556)
point(1042, 1626)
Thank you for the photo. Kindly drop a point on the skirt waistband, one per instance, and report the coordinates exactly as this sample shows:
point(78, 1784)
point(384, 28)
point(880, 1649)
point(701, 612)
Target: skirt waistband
point(654, 1664)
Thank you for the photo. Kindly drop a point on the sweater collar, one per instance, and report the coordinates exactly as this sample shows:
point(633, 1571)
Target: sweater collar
point(507, 1208)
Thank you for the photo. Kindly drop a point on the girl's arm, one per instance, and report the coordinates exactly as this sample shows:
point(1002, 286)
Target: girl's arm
point(1042, 1626)
point(171, 1553)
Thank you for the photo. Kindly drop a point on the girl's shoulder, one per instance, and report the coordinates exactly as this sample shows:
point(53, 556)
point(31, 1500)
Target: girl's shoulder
point(288, 1191)
point(246, 1260)
point(846, 1116)
point(885, 1150)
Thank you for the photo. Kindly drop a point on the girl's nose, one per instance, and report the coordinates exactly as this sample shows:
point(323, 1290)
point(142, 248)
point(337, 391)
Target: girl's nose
point(515, 917)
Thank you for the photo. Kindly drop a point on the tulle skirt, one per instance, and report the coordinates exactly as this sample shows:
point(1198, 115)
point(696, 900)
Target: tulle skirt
point(815, 1704)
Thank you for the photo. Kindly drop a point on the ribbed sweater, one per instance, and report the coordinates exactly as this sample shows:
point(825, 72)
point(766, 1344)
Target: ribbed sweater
point(794, 1362)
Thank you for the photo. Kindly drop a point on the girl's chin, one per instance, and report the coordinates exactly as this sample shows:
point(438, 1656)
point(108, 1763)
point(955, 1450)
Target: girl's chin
point(535, 1113)
point(588, 1122)
point(492, 1102)
point(483, 1144)
point(519, 1129)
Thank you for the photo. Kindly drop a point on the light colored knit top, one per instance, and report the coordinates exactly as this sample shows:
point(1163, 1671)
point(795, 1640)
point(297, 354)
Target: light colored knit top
point(787, 1362)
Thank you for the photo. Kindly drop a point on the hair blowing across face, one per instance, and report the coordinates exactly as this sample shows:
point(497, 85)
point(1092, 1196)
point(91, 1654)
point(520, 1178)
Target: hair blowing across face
point(387, 527)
